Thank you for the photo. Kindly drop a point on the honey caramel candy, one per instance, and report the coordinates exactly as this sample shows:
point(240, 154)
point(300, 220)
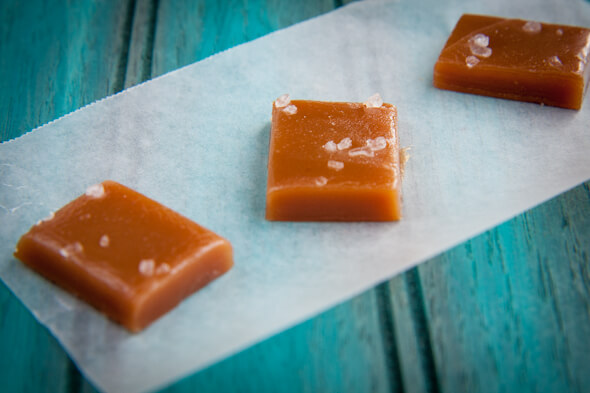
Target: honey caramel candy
point(333, 161)
point(516, 59)
point(125, 254)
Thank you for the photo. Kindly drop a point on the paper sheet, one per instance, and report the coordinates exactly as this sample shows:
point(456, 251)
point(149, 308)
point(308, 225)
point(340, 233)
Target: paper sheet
point(196, 140)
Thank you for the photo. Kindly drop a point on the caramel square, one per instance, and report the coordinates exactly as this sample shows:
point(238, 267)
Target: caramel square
point(125, 254)
point(333, 161)
point(516, 59)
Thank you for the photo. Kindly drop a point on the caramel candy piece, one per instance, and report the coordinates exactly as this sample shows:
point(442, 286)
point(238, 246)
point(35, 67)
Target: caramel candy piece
point(127, 255)
point(333, 161)
point(516, 59)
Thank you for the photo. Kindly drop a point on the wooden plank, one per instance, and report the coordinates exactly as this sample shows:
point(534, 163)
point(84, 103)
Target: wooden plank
point(510, 310)
point(58, 57)
point(188, 31)
point(54, 58)
point(338, 351)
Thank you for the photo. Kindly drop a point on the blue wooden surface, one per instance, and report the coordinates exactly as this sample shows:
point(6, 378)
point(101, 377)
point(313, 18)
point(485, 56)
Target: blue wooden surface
point(506, 311)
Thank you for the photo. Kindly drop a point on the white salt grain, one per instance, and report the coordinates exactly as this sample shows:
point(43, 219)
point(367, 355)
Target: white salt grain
point(283, 101)
point(74, 248)
point(377, 144)
point(163, 268)
point(147, 266)
point(330, 146)
point(478, 44)
point(95, 191)
point(375, 101)
point(344, 143)
point(532, 27)
point(555, 61)
point(290, 109)
point(361, 151)
point(321, 181)
point(559, 32)
point(481, 51)
point(471, 61)
point(336, 165)
point(104, 241)
point(480, 40)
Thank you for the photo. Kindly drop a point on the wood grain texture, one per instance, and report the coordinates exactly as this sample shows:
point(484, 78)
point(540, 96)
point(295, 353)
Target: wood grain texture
point(58, 56)
point(338, 351)
point(54, 58)
point(510, 309)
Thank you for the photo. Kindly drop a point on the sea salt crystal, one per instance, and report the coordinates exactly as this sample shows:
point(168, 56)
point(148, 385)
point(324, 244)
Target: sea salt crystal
point(95, 191)
point(147, 266)
point(361, 151)
point(163, 268)
point(532, 27)
point(344, 144)
point(74, 248)
point(555, 61)
point(290, 109)
point(375, 101)
point(321, 181)
point(471, 61)
point(377, 144)
point(480, 40)
point(481, 51)
point(478, 44)
point(104, 241)
point(330, 146)
point(336, 165)
point(283, 101)
point(559, 32)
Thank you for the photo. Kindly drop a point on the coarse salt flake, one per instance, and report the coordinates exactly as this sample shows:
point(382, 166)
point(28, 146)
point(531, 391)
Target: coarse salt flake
point(104, 241)
point(471, 61)
point(147, 267)
point(336, 165)
point(283, 101)
point(361, 151)
point(330, 146)
point(377, 144)
point(290, 109)
point(344, 144)
point(559, 32)
point(163, 268)
point(321, 181)
point(74, 248)
point(480, 40)
point(532, 27)
point(95, 191)
point(481, 51)
point(375, 101)
point(555, 61)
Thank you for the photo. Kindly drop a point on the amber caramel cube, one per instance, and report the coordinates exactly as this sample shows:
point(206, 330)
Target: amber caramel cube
point(127, 255)
point(516, 59)
point(333, 161)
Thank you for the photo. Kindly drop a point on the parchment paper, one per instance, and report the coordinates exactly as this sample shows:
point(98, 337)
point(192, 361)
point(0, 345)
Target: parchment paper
point(196, 140)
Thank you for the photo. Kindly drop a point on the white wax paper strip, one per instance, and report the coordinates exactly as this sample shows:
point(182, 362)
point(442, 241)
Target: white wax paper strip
point(196, 140)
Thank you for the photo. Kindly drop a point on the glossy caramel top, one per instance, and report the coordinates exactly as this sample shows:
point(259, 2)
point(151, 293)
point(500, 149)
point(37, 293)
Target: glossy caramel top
point(118, 237)
point(519, 44)
point(333, 144)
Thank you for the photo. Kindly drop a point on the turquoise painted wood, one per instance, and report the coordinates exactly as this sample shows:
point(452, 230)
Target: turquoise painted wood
point(506, 311)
